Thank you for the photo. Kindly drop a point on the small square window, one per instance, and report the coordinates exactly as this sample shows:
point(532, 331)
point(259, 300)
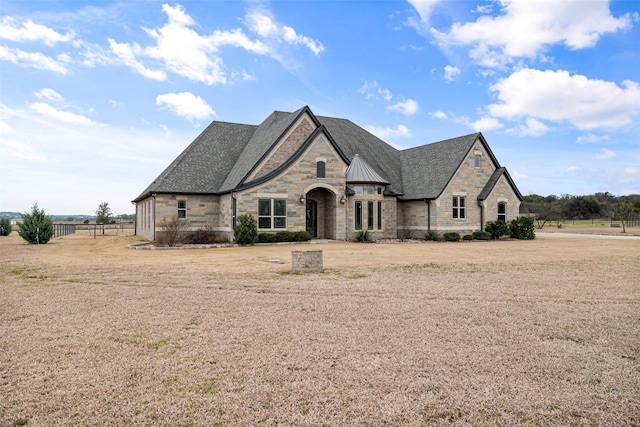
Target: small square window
point(370, 189)
point(379, 190)
point(358, 189)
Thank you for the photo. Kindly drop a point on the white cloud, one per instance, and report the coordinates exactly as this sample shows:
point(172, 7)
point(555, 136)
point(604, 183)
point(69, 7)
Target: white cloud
point(49, 94)
point(408, 107)
point(451, 72)
point(438, 115)
point(60, 115)
point(573, 169)
point(186, 105)
point(373, 89)
point(182, 50)
point(591, 138)
point(533, 128)
point(384, 133)
point(10, 29)
point(558, 96)
point(424, 9)
point(484, 124)
point(606, 154)
point(126, 55)
point(32, 60)
point(527, 28)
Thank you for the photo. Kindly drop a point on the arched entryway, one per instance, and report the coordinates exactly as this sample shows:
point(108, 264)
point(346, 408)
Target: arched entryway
point(321, 213)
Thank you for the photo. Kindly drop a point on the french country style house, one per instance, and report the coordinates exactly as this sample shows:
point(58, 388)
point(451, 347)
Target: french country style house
point(328, 176)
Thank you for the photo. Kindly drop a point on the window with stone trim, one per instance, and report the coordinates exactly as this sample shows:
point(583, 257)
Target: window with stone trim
point(358, 214)
point(272, 213)
point(182, 209)
point(320, 169)
point(459, 207)
point(502, 211)
point(379, 215)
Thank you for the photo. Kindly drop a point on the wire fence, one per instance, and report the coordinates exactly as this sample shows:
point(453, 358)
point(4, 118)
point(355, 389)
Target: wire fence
point(61, 229)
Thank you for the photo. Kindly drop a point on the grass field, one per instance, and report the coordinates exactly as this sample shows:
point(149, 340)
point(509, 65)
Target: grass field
point(543, 332)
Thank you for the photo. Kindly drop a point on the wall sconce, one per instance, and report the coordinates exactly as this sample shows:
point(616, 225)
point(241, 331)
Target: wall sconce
point(302, 199)
point(343, 199)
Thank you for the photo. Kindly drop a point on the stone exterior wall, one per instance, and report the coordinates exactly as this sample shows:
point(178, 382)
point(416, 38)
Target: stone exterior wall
point(306, 261)
point(414, 219)
point(145, 218)
point(202, 210)
point(298, 179)
point(502, 192)
point(288, 145)
point(389, 213)
point(468, 181)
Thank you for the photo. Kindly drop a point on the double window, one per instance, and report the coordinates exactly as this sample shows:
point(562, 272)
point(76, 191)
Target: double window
point(459, 207)
point(272, 213)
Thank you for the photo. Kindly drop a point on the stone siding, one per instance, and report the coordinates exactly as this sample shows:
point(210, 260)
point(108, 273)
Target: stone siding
point(286, 147)
point(202, 210)
point(145, 218)
point(298, 179)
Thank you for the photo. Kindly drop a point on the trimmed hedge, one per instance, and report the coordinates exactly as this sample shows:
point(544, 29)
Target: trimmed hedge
point(481, 235)
point(451, 237)
point(284, 236)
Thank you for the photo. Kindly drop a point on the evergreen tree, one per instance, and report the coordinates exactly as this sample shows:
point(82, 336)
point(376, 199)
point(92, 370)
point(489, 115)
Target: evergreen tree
point(36, 227)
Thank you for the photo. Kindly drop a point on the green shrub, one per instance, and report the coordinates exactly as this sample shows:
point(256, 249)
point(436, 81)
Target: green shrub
point(431, 235)
point(481, 235)
point(522, 228)
point(266, 238)
point(362, 236)
point(5, 226)
point(497, 229)
point(467, 237)
point(451, 236)
point(284, 236)
point(36, 227)
point(246, 231)
point(301, 236)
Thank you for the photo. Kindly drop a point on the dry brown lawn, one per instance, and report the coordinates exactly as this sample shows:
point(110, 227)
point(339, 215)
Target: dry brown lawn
point(543, 332)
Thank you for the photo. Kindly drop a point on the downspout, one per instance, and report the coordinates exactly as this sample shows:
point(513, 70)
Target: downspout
point(481, 205)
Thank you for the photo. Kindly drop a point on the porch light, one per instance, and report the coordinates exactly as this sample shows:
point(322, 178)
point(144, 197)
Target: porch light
point(343, 199)
point(302, 199)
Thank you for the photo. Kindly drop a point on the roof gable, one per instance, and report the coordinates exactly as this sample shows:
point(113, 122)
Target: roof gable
point(493, 180)
point(426, 170)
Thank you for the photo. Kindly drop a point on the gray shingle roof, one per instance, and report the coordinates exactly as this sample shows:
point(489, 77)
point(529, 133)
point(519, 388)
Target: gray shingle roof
point(224, 154)
point(426, 170)
point(493, 180)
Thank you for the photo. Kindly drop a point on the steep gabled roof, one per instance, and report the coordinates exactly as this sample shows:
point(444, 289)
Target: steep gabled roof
point(206, 163)
point(426, 170)
point(360, 172)
point(266, 136)
point(380, 156)
point(224, 155)
point(491, 183)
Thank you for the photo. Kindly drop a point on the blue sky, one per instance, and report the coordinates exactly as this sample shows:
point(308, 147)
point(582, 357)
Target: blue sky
point(97, 98)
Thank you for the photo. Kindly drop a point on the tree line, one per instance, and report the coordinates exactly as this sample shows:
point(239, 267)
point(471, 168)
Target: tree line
point(595, 206)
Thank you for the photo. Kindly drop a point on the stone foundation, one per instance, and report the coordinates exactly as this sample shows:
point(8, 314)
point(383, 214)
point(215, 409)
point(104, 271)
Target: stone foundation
point(306, 261)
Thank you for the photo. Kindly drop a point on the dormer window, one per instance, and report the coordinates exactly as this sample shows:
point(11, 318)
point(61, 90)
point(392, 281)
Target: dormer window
point(320, 169)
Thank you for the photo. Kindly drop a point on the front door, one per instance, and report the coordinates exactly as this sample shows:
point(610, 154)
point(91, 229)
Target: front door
point(312, 218)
